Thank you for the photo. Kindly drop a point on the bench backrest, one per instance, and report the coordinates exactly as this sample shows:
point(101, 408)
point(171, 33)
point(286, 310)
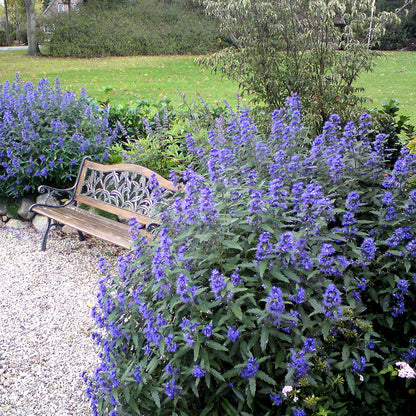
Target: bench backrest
point(125, 190)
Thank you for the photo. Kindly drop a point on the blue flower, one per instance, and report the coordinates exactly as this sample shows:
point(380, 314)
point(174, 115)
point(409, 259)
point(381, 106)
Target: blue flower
point(217, 283)
point(233, 334)
point(286, 242)
point(358, 365)
point(171, 389)
point(136, 374)
point(403, 285)
point(250, 369)
point(332, 296)
point(274, 302)
point(276, 399)
point(197, 372)
point(309, 345)
point(353, 201)
point(368, 248)
point(299, 298)
point(298, 364)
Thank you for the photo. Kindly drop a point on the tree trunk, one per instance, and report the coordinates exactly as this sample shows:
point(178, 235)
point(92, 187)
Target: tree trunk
point(7, 24)
point(33, 47)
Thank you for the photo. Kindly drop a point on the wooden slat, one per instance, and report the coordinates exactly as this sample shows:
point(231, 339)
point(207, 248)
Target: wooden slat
point(89, 223)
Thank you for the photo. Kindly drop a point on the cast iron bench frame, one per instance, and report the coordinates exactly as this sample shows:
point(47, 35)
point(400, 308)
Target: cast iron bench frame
point(124, 190)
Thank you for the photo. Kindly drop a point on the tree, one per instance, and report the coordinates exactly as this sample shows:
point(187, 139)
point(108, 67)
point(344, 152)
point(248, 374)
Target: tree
point(7, 23)
point(33, 47)
point(315, 48)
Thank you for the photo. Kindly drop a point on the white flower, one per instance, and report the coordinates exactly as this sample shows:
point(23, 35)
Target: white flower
point(405, 371)
point(286, 390)
point(361, 377)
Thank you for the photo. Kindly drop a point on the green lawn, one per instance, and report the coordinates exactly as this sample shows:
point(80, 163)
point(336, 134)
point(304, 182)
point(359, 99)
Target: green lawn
point(154, 78)
point(131, 78)
point(393, 77)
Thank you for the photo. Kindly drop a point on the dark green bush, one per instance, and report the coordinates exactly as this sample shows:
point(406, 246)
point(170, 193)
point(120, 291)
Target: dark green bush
point(282, 282)
point(3, 39)
point(146, 27)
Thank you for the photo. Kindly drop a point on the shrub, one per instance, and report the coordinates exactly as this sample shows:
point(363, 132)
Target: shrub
point(3, 38)
point(153, 134)
point(143, 28)
point(314, 48)
point(282, 282)
point(44, 133)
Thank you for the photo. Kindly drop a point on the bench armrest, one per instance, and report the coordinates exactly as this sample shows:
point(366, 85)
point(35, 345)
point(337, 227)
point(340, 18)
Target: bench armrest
point(152, 226)
point(54, 196)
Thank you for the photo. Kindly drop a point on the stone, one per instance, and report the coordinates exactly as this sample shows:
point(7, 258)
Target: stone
point(43, 199)
point(68, 230)
point(17, 224)
point(3, 208)
point(40, 223)
point(23, 209)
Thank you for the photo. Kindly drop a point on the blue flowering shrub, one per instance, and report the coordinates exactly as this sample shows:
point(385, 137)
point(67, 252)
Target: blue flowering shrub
point(282, 282)
point(44, 133)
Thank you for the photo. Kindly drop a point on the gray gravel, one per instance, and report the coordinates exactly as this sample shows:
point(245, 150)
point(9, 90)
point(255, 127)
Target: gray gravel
point(45, 322)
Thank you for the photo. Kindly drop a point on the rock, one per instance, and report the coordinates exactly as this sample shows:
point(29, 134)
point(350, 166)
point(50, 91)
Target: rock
point(43, 199)
point(40, 223)
point(68, 230)
point(3, 208)
point(23, 210)
point(17, 224)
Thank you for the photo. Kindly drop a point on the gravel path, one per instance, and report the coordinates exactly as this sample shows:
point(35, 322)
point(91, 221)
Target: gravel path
point(45, 322)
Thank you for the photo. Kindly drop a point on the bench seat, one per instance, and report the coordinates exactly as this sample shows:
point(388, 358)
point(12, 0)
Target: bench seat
point(87, 222)
point(124, 191)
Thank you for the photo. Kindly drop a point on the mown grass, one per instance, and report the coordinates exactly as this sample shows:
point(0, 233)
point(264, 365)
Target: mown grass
point(152, 78)
point(129, 79)
point(393, 78)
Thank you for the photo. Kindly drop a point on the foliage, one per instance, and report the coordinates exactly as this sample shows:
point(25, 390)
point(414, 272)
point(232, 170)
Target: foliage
point(282, 282)
point(44, 133)
point(397, 129)
point(147, 27)
point(3, 41)
point(400, 34)
point(153, 134)
point(314, 48)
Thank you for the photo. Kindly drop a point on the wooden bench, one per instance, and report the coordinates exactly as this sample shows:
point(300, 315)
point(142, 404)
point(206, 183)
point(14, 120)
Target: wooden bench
point(123, 190)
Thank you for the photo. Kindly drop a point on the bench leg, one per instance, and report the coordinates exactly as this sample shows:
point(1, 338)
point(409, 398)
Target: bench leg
point(81, 236)
point(45, 236)
point(50, 225)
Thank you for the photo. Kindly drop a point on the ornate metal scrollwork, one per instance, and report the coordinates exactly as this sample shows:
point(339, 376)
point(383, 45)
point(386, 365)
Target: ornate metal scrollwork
point(123, 189)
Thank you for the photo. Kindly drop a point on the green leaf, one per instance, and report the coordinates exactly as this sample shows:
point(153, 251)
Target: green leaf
point(252, 384)
point(232, 244)
point(237, 311)
point(216, 374)
point(197, 347)
point(325, 329)
point(262, 268)
point(345, 352)
point(155, 396)
point(228, 407)
point(351, 382)
point(216, 346)
point(263, 376)
point(264, 337)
